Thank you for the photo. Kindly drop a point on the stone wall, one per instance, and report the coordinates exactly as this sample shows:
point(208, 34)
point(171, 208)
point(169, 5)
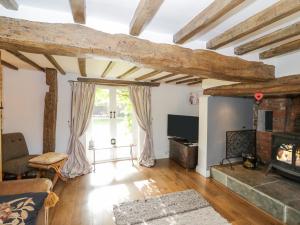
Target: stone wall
point(284, 114)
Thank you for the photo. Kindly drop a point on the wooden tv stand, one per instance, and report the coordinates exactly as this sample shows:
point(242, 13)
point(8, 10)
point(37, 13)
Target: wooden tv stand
point(183, 154)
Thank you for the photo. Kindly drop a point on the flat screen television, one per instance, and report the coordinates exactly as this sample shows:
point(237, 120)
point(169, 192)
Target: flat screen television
point(185, 127)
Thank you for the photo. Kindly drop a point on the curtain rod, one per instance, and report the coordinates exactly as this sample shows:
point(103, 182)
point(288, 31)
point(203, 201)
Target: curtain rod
point(115, 82)
point(105, 84)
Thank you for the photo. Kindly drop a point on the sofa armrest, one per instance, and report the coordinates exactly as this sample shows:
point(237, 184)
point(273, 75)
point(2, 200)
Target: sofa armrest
point(25, 186)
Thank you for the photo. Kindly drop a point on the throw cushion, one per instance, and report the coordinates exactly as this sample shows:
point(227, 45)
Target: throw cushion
point(24, 207)
point(48, 158)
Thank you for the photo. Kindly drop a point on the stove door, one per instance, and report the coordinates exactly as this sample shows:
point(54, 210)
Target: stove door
point(285, 153)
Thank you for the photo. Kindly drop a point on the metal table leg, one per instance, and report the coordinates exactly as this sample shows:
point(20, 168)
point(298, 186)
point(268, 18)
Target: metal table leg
point(94, 159)
point(131, 155)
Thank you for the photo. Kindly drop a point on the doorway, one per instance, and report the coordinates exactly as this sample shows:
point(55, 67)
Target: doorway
point(113, 127)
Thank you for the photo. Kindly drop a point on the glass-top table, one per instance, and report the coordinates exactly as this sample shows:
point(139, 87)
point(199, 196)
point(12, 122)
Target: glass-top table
point(112, 147)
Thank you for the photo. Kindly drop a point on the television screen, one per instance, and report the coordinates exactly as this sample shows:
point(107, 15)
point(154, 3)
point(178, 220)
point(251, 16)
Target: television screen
point(185, 127)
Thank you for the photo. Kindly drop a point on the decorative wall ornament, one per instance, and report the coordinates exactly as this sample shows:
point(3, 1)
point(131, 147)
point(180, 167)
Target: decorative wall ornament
point(194, 98)
point(258, 97)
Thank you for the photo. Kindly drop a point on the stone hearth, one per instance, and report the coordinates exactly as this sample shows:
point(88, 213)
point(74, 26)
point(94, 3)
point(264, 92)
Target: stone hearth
point(273, 193)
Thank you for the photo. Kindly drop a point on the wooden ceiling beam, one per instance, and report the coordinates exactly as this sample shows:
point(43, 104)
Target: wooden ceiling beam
point(164, 77)
point(278, 11)
point(9, 4)
point(148, 75)
point(143, 15)
point(117, 82)
point(128, 72)
point(55, 64)
point(2, 118)
point(178, 79)
point(8, 65)
point(281, 86)
point(82, 66)
point(214, 12)
point(281, 49)
point(80, 41)
point(194, 83)
point(78, 8)
point(26, 60)
point(108, 68)
point(274, 37)
point(188, 81)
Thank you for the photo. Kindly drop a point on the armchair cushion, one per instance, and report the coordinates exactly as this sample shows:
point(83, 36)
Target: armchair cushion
point(24, 207)
point(17, 165)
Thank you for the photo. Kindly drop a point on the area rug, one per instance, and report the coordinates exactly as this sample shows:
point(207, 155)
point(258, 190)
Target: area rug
point(179, 208)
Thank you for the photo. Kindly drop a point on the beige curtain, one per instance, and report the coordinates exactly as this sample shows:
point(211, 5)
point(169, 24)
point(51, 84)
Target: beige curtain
point(83, 96)
point(140, 97)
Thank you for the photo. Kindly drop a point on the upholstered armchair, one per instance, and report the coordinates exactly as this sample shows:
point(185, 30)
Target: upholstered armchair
point(15, 154)
point(38, 185)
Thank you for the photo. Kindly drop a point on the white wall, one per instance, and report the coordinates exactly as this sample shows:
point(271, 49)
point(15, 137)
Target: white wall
point(202, 141)
point(23, 100)
point(63, 112)
point(225, 114)
point(218, 115)
point(169, 99)
point(24, 93)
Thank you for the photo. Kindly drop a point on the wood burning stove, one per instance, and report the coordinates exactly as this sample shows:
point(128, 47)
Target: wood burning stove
point(286, 154)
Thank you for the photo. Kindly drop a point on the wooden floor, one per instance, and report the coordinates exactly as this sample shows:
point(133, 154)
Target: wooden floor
point(88, 200)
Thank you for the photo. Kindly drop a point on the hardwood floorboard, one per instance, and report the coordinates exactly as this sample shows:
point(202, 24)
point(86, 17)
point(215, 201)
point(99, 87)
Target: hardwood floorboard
point(88, 200)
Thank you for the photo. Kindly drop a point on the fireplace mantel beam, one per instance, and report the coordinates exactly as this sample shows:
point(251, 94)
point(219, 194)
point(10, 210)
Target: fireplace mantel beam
point(287, 85)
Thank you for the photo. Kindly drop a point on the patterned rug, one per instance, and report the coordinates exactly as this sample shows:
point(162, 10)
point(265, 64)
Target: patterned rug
point(179, 208)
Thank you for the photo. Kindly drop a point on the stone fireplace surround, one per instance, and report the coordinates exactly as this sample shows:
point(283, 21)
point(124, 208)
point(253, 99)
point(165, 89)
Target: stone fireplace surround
point(273, 193)
point(284, 116)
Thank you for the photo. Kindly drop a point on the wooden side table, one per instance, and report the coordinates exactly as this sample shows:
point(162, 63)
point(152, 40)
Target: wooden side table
point(50, 160)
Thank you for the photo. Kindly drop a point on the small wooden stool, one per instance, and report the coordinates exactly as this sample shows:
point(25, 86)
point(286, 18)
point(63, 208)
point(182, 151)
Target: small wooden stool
point(50, 160)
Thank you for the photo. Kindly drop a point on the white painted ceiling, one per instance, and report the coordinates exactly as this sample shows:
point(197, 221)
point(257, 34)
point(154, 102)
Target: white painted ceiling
point(114, 16)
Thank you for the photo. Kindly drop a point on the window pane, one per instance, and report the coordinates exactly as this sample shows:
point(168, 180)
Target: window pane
point(101, 118)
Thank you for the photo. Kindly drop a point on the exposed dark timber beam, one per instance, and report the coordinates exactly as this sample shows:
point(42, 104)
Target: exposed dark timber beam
point(274, 37)
point(278, 11)
point(8, 65)
point(82, 66)
point(188, 81)
point(108, 68)
point(9, 4)
point(80, 41)
point(280, 50)
point(215, 11)
point(25, 59)
point(143, 15)
point(55, 63)
point(178, 79)
point(128, 72)
point(78, 8)
point(194, 83)
point(1, 111)
point(50, 111)
point(148, 75)
point(288, 85)
point(164, 77)
point(117, 82)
